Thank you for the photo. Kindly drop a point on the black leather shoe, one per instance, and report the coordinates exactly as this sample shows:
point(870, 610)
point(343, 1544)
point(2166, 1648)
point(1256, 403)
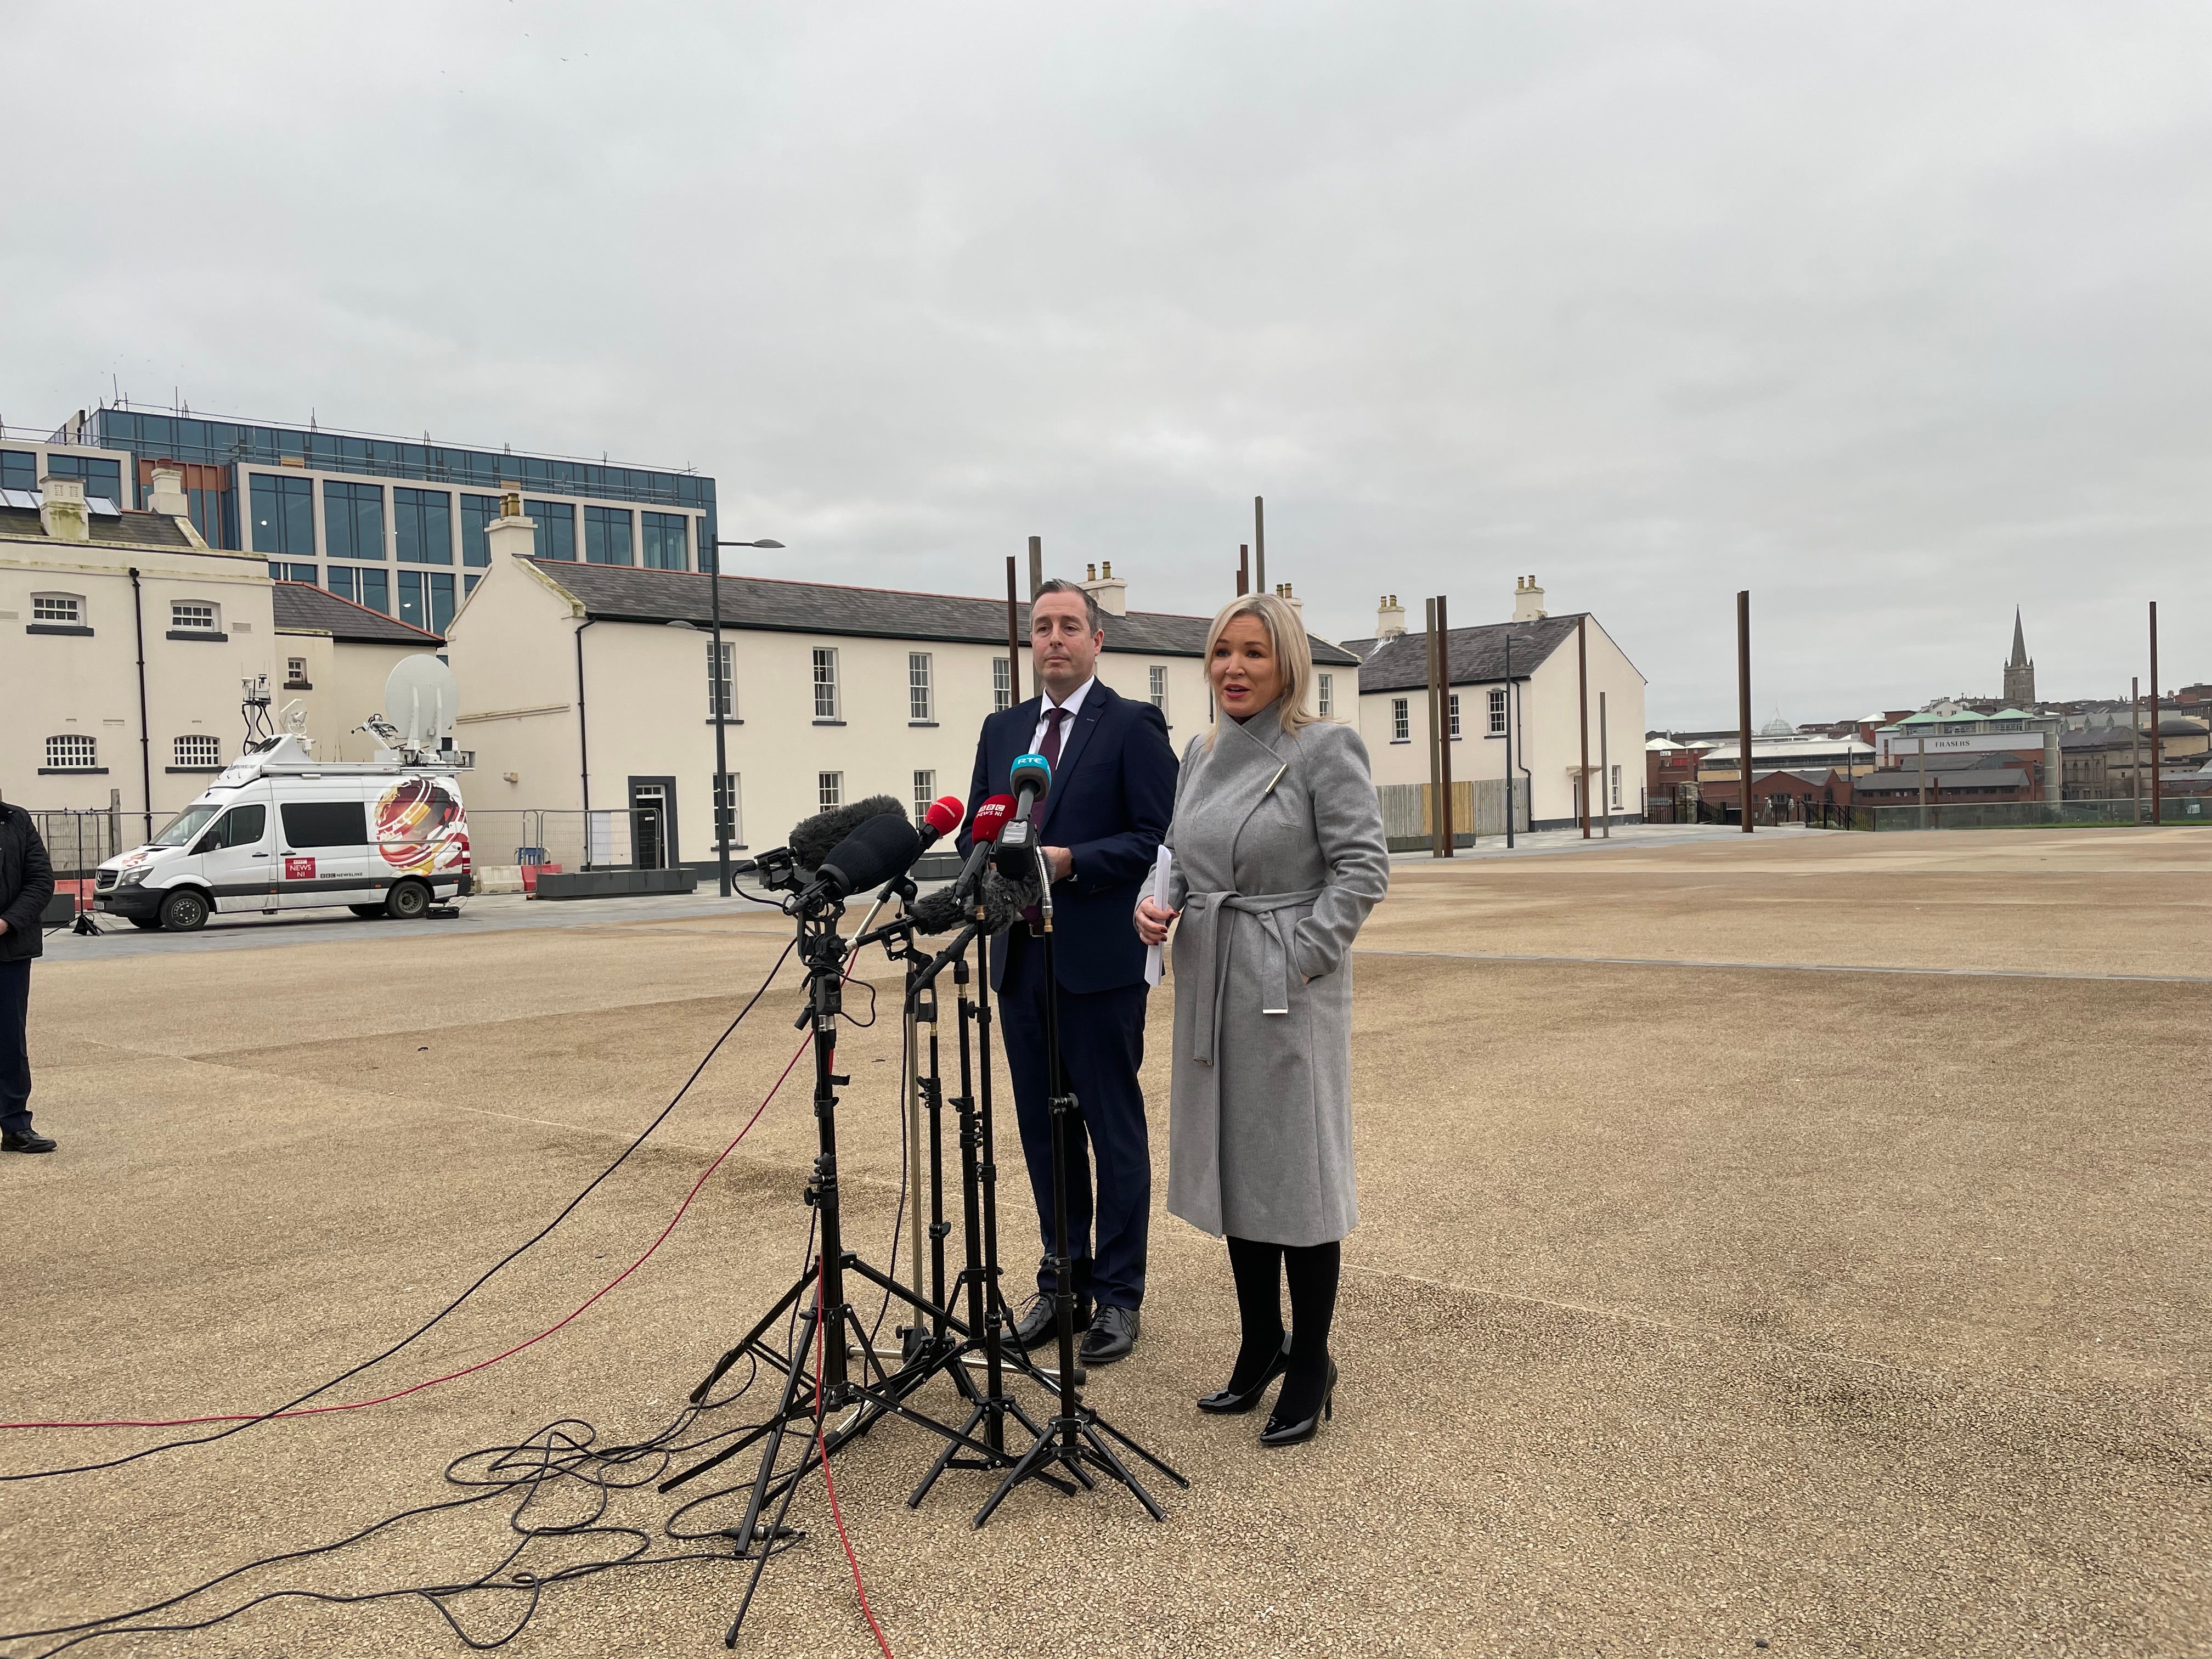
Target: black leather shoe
point(1279, 1433)
point(1226, 1402)
point(1113, 1334)
point(1037, 1325)
point(30, 1140)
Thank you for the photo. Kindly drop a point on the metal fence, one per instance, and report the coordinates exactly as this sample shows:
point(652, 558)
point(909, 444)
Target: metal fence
point(2034, 814)
point(78, 841)
point(1478, 809)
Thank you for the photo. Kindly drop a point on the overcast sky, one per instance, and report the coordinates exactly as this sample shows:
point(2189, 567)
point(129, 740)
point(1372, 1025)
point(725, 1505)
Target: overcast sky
point(1896, 314)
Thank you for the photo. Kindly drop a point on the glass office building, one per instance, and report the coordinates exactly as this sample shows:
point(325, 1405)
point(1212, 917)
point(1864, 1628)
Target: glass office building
point(392, 524)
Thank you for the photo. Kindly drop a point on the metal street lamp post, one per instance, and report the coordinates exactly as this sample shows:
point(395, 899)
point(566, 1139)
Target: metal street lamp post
point(721, 714)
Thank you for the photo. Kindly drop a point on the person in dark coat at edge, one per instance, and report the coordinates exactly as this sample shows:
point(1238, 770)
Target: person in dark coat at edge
point(1101, 822)
point(26, 882)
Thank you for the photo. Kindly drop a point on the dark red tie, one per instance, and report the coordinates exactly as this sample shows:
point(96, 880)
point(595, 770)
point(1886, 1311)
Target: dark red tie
point(1053, 717)
point(1034, 915)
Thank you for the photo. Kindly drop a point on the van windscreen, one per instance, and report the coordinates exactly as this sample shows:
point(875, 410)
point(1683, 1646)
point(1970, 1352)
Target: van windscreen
point(325, 824)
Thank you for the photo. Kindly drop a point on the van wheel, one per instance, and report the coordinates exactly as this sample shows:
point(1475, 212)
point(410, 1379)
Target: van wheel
point(149, 923)
point(367, 912)
point(183, 911)
point(407, 901)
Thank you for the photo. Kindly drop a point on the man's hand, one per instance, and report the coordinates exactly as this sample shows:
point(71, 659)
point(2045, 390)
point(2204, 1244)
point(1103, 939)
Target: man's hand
point(1062, 862)
point(4, 924)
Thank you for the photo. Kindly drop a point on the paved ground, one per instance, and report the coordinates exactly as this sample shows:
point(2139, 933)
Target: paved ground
point(1694, 1307)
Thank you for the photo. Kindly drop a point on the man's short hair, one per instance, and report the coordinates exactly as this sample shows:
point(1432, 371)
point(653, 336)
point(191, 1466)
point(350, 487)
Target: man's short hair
point(1062, 585)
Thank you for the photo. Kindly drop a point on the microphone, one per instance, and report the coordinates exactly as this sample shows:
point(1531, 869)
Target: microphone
point(882, 847)
point(811, 839)
point(942, 818)
point(946, 910)
point(984, 828)
point(1030, 779)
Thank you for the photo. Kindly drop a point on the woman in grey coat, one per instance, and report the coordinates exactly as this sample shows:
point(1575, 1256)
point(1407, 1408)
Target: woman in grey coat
point(1277, 856)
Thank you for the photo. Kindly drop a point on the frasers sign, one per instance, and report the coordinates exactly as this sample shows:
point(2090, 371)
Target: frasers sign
point(1897, 748)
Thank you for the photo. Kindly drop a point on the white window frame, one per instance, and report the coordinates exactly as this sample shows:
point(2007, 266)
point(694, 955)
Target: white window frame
point(1454, 700)
point(735, 807)
point(827, 705)
point(1497, 708)
point(65, 758)
point(180, 624)
point(1616, 789)
point(58, 610)
point(1325, 695)
point(828, 790)
point(1002, 684)
point(921, 689)
point(206, 749)
point(924, 791)
point(1401, 720)
point(1157, 680)
point(722, 699)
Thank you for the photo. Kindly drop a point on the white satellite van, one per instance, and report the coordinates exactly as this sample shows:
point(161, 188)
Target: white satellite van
point(282, 830)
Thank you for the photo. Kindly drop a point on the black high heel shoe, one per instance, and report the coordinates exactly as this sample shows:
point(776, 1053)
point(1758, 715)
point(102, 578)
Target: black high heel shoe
point(1279, 1433)
point(1223, 1402)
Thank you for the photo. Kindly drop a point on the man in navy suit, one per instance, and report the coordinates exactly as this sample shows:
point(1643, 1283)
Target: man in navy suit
point(1101, 824)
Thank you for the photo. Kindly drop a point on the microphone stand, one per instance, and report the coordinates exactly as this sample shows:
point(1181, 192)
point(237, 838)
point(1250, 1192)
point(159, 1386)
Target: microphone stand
point(1073, 1438)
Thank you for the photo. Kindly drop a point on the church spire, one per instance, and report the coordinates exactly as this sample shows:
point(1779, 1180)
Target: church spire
point(2020, 672)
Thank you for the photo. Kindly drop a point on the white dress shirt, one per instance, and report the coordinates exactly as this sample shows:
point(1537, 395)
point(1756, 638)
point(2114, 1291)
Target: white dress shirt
point(1074, 705)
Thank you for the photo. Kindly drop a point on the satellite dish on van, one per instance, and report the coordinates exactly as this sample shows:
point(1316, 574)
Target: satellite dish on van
point(421, 697)
point(295, 717)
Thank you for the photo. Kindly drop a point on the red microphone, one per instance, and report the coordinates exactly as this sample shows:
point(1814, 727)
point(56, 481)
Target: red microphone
point(942, 818)
point(990, 818)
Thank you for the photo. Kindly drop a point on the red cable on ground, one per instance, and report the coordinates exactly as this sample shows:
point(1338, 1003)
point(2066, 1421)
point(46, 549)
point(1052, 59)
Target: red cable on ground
point(853, 1561)
point(482, 1364)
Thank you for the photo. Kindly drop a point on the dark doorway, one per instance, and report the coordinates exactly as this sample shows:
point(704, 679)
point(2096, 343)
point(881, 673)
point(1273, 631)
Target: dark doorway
point(653, 824)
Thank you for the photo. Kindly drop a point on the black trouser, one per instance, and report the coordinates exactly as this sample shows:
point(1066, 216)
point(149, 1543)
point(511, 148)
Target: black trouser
point(15, 1047)
point(1101, 1044)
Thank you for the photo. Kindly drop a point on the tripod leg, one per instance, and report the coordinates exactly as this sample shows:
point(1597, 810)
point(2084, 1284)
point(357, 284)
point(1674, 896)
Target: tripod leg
point(1045, 1449)
point(722, 1365)
point(1100, 1424)
point(809, 1319)
point(1104, 1454)
point(768, 1543)
point(945, 1459)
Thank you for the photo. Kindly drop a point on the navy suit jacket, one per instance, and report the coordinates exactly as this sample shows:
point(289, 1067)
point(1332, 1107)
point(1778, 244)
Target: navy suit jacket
point(1112, 796)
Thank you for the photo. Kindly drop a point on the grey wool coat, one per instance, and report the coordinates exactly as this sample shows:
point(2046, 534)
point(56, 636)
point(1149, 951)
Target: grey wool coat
point(1279, 855)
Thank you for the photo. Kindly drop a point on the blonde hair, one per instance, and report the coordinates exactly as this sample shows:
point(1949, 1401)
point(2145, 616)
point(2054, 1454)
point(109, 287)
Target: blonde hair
point(1286, 638)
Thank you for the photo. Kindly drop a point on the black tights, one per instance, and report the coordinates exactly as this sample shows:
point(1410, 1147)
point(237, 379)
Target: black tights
point(1312, 1271)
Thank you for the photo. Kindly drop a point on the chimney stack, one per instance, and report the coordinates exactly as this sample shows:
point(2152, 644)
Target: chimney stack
point(1282, 593)
point(1109, 590)
point(1390, 619)
point(1528, 599)
point(62, 511)
point(168, 495)
point(511, 534)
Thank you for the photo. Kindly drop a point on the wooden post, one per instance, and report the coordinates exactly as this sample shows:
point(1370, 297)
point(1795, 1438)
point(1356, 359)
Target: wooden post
point(1037, 581)
point(1743, 699)
point(1260, 546)
point(1013, 636)
point(2157, 746)
point(1582, 713)
point(1923, 742)
point(1443, 709)
point(1436, 737)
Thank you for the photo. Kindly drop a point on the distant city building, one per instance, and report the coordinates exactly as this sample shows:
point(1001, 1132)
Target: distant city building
point(391, 524)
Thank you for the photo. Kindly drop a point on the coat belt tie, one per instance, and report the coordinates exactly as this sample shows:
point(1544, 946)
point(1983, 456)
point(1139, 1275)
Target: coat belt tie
point(1202, 916)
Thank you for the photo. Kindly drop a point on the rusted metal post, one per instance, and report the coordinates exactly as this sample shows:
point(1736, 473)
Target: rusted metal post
point(1604, 768)
point(1742, 699)
point(2157, 746)
point(1582, 716)
point(2135, 745)
point(1013, 636)
point(1037, 581)
point(1243, 569)
point(1260, 546)
point(1436, 734)
point(1444, 707)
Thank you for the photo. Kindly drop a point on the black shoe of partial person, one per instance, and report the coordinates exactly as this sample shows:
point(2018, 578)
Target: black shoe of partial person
point(1283, 1431)
point(1113, 1334)
point(1038, 1326)
point(26, 1140)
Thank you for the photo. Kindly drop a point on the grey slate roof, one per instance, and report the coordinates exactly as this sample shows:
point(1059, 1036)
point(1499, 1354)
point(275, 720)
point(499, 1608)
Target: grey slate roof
point(1475, 654)
point(133, 529)
point(625, 594)
point(302, 608)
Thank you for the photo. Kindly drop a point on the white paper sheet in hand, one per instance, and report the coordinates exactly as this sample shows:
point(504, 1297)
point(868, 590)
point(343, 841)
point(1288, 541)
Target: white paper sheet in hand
point(1155, 955)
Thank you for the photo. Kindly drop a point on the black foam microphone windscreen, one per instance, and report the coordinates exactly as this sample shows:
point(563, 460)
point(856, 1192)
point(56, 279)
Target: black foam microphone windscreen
point(881, 847)
point(811, 839)
point(1003, 902)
